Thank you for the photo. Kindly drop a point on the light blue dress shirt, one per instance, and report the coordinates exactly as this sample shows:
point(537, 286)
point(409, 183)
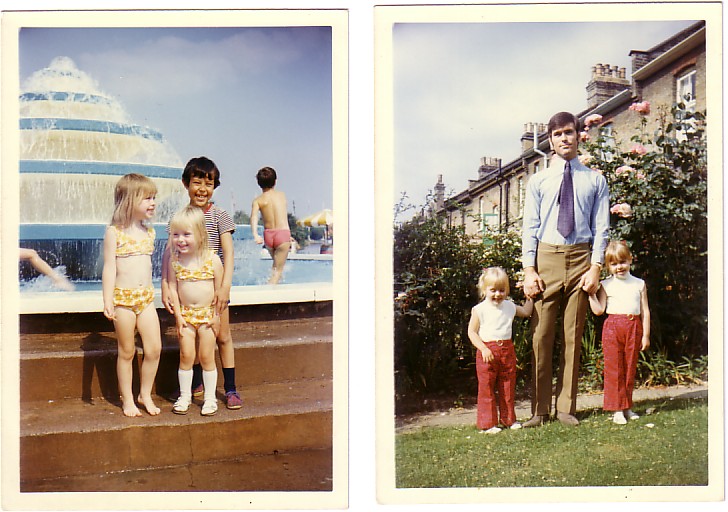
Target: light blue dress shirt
point(541, 211)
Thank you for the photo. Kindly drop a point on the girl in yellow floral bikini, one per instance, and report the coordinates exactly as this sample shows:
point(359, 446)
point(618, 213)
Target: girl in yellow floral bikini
point(194, 276)
point(127, 287)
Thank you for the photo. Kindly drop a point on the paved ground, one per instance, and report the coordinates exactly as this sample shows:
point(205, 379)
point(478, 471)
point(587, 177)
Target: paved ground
point(466, 416)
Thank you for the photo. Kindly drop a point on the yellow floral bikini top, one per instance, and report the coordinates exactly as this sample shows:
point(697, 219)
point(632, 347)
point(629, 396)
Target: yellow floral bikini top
point(128, 246)
point(205, 272)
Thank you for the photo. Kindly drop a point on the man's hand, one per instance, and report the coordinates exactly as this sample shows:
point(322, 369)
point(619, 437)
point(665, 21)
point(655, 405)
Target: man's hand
point(589, 282)
point(532, 283)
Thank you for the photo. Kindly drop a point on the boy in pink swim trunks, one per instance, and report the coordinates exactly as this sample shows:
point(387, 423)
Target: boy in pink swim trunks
point(272, 205)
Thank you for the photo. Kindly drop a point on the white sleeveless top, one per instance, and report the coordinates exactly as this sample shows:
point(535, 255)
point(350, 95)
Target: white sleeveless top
point(624, 295)
point(496, 322)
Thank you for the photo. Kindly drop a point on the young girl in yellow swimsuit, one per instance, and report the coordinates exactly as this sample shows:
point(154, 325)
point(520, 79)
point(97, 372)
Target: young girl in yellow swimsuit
point(194, 276)
point(127, 287)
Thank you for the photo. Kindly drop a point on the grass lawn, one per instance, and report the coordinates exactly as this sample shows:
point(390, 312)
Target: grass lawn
point(667, 447)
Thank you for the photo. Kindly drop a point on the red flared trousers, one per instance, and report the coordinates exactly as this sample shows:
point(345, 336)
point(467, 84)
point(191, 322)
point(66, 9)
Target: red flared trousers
point(497, 385)
point(621, 342)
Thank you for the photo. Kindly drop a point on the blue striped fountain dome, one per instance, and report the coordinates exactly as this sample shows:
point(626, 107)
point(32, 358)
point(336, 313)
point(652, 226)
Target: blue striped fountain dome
point(89, 125)
point(89, 167)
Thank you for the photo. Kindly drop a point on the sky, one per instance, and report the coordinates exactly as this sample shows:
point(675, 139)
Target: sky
point(463, 91)
point(244, 97)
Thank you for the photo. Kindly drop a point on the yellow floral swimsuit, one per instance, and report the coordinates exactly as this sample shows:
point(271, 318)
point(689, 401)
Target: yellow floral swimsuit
point(202, 314)
point(136, 299)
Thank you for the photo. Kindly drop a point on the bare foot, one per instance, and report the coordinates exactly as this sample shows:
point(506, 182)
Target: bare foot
point(149, 405)
point(130, 410)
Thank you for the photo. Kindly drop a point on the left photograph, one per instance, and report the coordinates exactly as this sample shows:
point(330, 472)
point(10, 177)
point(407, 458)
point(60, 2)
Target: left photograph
point(174, 290)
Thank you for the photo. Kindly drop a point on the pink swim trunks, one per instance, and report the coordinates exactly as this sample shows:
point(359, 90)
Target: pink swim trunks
point(275, 237)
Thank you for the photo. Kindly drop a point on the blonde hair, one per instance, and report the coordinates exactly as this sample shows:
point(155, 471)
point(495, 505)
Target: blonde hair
point(493, 276)
point(128, 193)
point(617, 251)
point(193, 218)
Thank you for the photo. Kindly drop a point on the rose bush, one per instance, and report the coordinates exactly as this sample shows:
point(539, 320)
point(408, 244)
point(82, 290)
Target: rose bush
point(658, 191)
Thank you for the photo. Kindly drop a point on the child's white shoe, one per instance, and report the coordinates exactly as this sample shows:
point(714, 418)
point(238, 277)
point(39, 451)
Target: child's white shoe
point(491, 430)
point(181, 406)
point(631, 415)
point(209, 407)
point(619, 418)
point(516, 426)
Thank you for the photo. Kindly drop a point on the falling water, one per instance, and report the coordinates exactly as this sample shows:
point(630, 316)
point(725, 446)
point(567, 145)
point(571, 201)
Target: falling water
point(76, 142)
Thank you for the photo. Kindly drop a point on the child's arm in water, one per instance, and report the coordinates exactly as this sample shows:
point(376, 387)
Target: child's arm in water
point(473, 328)
point(645, 315)
point(222, 292)
point(218, 271)
point(108, 274)
point(598, 301)
point(526, 310)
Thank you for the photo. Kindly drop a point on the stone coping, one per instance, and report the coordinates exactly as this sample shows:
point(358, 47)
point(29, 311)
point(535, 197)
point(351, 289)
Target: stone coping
point(90, 301)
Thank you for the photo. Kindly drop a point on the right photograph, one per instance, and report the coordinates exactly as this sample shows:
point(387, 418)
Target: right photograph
point(548, 185)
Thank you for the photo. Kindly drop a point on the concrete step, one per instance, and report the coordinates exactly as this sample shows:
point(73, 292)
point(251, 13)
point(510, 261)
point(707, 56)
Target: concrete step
point(306, 470)
point(73, 439)
point(82, 363)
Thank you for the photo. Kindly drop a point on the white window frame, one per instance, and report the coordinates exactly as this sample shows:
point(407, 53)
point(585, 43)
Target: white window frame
point(608, 145)
point(685, 88)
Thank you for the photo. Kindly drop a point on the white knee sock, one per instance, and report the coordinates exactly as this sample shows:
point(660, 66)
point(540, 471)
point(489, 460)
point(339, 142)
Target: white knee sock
point(209, 380)
point(185, 383)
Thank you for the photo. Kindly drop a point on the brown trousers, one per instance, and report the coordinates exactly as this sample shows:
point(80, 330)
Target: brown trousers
point(561, 268)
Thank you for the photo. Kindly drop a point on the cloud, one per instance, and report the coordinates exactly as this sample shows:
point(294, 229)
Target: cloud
point(170, 66)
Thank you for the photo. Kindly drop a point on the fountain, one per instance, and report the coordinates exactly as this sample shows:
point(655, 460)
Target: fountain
point(75, 143)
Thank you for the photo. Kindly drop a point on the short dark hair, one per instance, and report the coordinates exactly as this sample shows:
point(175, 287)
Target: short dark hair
point(266, 177)
point(201, 167)
point(562, 119)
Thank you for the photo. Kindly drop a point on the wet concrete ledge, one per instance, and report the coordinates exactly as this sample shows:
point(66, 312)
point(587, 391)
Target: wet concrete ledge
point(64, 318)
point(90, 301)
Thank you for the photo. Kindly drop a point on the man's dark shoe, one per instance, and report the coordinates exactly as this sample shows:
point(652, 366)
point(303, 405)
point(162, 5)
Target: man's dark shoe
point(567, 419)
point(536, 421)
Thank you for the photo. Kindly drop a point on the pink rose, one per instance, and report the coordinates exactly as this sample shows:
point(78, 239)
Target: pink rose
point(592, 119)
point(583, 136)
point(638, 149)
point(623, 168)
point(622, 209)
point(640, 175)
point(585, 159)
point(641, 108)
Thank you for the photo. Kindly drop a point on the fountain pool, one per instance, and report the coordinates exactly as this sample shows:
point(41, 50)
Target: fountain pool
point(75, 143)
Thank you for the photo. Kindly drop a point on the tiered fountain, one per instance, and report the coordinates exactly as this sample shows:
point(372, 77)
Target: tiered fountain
point(75, 144)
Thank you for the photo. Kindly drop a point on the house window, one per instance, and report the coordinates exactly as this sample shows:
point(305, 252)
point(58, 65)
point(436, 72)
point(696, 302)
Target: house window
point(686, 90)
point(685, 94)
point(607, 143)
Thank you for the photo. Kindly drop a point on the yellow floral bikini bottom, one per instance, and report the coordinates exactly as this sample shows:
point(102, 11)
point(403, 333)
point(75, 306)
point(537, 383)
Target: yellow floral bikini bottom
point(197, 316)
point(136, 299)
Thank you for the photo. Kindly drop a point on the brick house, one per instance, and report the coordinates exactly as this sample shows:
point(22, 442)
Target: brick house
point(672, 71)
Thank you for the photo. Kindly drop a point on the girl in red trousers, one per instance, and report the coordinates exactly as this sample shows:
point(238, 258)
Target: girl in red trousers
point(626, 330)
point(490, 331)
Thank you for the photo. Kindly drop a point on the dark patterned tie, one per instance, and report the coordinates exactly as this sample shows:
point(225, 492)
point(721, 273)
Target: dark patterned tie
point(565, 223)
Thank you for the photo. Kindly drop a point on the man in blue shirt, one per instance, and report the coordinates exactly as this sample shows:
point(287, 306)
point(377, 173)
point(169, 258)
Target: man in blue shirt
point(565, 232)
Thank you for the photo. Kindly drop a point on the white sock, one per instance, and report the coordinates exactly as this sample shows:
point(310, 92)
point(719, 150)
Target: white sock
point(631, 415)
point(185, 383)
point(209, 380)
point(619, 418)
